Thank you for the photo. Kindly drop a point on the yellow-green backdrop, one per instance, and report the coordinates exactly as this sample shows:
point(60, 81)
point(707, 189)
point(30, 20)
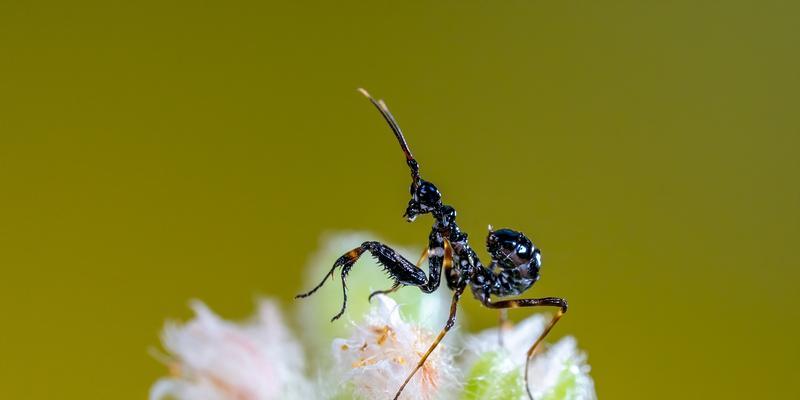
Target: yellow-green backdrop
point(153, 152)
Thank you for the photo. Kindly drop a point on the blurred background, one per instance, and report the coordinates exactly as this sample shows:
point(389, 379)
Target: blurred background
point(154, 152)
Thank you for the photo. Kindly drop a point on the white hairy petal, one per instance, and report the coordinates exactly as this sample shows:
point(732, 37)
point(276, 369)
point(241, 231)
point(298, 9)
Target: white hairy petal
point(557, 371)
point(212, 359)
point(383, 350)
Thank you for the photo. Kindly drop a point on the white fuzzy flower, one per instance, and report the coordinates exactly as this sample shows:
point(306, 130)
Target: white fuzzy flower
point(384, 349)
point(212, 359)
point(558, 371)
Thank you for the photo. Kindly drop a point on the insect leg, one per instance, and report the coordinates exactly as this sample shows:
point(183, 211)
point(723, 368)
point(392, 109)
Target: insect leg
point(397, 285)
point(502, 324)
point(545, 301)
point(350, 258)
point(440, 254)
point(451, 320)
point(422, 257)
point(392, 289)
point(402, 271)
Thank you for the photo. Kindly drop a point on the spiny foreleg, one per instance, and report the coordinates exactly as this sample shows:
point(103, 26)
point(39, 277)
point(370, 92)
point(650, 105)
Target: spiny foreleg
point(402, 271)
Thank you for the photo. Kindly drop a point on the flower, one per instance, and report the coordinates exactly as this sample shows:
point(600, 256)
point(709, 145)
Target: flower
point(384, 349)
point(212, 359)
point(494, 376)
point(559, 372)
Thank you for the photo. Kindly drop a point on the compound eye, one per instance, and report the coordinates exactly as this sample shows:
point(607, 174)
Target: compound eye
point(428, 195)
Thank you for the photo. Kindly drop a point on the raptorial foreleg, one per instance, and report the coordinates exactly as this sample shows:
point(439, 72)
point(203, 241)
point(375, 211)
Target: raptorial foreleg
point(402, 271)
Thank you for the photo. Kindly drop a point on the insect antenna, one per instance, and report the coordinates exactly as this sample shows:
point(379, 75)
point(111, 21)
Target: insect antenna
point(387, 115)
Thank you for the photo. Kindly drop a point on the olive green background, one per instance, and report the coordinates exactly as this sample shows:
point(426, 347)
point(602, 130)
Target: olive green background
point(155, 152)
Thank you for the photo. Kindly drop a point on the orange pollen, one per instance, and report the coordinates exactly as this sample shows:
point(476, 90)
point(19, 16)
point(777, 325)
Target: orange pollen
point(363, 362)
point(383, 333)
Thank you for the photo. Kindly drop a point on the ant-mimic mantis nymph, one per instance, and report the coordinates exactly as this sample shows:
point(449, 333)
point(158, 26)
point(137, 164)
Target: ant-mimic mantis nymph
point(514, 267)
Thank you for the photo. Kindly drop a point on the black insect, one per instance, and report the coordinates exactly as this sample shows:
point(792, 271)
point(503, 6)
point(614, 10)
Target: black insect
point(514, 268)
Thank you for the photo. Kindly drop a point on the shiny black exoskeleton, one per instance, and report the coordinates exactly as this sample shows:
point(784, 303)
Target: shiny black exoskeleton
point(514, 267)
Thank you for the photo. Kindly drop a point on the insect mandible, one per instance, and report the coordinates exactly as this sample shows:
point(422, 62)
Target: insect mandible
point(514, 267)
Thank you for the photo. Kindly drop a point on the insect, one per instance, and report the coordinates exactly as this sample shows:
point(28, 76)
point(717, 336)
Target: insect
point(514, 267)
